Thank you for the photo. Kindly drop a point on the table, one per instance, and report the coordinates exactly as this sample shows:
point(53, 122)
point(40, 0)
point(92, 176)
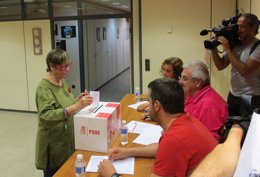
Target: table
point(143, 166)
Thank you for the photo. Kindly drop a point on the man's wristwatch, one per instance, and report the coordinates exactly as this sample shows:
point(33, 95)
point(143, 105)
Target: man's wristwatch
point(116, 175)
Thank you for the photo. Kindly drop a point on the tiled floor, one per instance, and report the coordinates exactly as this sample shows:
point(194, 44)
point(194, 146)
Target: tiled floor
point(116, 88)
point(18, 132)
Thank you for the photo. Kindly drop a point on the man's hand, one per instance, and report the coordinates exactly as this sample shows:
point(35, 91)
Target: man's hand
point(106, 168)
point(142, 107)
point(225, 43)
point(118, 153)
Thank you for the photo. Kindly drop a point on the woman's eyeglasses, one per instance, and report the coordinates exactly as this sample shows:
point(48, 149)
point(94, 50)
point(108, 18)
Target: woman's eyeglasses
point(63, 67)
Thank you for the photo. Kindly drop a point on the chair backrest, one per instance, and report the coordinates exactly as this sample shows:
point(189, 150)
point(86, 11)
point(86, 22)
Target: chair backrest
point(246, 101)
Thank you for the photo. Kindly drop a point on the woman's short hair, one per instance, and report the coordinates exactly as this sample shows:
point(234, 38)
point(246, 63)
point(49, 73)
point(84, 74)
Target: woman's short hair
point(176, 64)
point(57, 57)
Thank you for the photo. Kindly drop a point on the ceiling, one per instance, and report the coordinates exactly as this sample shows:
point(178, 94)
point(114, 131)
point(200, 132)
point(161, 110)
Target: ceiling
point(39, 8)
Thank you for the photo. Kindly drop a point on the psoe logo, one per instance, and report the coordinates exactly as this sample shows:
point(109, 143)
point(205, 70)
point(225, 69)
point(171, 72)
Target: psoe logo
point(84, 130)
point(254, 173)
point(94, 132)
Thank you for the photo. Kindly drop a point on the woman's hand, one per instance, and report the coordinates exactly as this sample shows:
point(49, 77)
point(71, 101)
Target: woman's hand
point(82, 94)
point(84, 101)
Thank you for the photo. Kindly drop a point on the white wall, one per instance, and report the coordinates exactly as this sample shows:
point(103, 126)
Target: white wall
point(172, 28)
point(256, 10)
point(14, 91)
point(36, 64)
point(21, 70)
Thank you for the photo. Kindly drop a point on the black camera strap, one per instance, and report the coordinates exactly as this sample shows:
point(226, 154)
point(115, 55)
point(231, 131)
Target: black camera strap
point(254, 46)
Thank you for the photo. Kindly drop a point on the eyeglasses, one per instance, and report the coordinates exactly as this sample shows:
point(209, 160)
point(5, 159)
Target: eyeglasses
point(184, 78)
point(63, 67)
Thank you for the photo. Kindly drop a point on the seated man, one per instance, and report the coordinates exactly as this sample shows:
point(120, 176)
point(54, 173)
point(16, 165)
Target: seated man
point(184, 143)
point(201, 100)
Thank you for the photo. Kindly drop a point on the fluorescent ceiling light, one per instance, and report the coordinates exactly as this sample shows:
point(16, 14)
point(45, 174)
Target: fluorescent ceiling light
point(115, 3)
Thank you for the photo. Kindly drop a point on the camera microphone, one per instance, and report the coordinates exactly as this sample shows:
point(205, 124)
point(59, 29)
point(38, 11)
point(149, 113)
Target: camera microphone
point(231, 20)
point(204, 32)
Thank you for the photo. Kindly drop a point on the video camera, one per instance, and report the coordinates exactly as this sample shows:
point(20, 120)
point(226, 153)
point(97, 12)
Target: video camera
point(228, 29)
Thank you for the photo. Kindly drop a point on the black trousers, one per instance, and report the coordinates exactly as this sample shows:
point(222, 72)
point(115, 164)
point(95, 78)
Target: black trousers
point(49, 172)
point(236, 107)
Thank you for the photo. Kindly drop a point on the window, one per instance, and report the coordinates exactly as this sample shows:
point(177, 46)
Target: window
point(10, 10)
point(35, 9)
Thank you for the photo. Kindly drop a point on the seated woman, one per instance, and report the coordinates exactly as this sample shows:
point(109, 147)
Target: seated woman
point(170, 68)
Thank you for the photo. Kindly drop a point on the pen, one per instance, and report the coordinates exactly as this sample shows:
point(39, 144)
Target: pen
point(134, 127)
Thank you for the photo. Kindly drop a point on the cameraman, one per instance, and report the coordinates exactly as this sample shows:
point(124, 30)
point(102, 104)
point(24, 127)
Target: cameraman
point(245, 75)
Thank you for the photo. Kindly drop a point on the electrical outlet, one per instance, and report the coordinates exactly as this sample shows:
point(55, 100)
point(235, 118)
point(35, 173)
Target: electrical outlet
point(147, 64)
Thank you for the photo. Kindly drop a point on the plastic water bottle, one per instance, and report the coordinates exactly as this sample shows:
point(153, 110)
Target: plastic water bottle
point(80, 166)
point(124, 133)
point(137, 94)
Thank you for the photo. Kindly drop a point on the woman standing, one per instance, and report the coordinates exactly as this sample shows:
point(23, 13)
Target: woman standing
point(56, 106)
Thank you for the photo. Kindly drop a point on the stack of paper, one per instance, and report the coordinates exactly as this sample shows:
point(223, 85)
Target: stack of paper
point(249, 159)
point(149, 133)
point(124, 166)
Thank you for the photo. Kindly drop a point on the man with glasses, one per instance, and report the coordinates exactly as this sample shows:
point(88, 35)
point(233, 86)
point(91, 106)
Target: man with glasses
point(202, 101)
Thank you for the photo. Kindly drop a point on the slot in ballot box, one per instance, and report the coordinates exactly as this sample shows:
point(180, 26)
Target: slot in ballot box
point(97, 128)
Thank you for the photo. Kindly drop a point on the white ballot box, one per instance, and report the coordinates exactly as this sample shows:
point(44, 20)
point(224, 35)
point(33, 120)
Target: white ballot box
point(97, 128)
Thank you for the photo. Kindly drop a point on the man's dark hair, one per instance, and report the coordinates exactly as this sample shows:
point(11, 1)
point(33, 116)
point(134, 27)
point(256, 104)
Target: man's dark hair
point(169, 93)
point(253, 20)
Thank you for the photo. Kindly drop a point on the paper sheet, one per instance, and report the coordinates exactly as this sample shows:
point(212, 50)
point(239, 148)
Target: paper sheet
point(249, 159)
point(134, 106)
point(138, 127)
point(124, 166)
point(96, 98)
point(150, 135)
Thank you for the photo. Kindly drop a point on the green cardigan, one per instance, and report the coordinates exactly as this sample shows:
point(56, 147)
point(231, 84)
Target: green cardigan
point(55, 135)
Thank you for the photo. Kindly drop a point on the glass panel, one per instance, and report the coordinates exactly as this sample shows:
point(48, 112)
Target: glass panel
point(87, 7)
point(36, 9)
point(102, 7)
point(64, 8)
point(10, 10)
point(97, 9)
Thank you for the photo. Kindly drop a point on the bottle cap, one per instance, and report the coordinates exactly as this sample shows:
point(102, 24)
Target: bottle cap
point(79, 156)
